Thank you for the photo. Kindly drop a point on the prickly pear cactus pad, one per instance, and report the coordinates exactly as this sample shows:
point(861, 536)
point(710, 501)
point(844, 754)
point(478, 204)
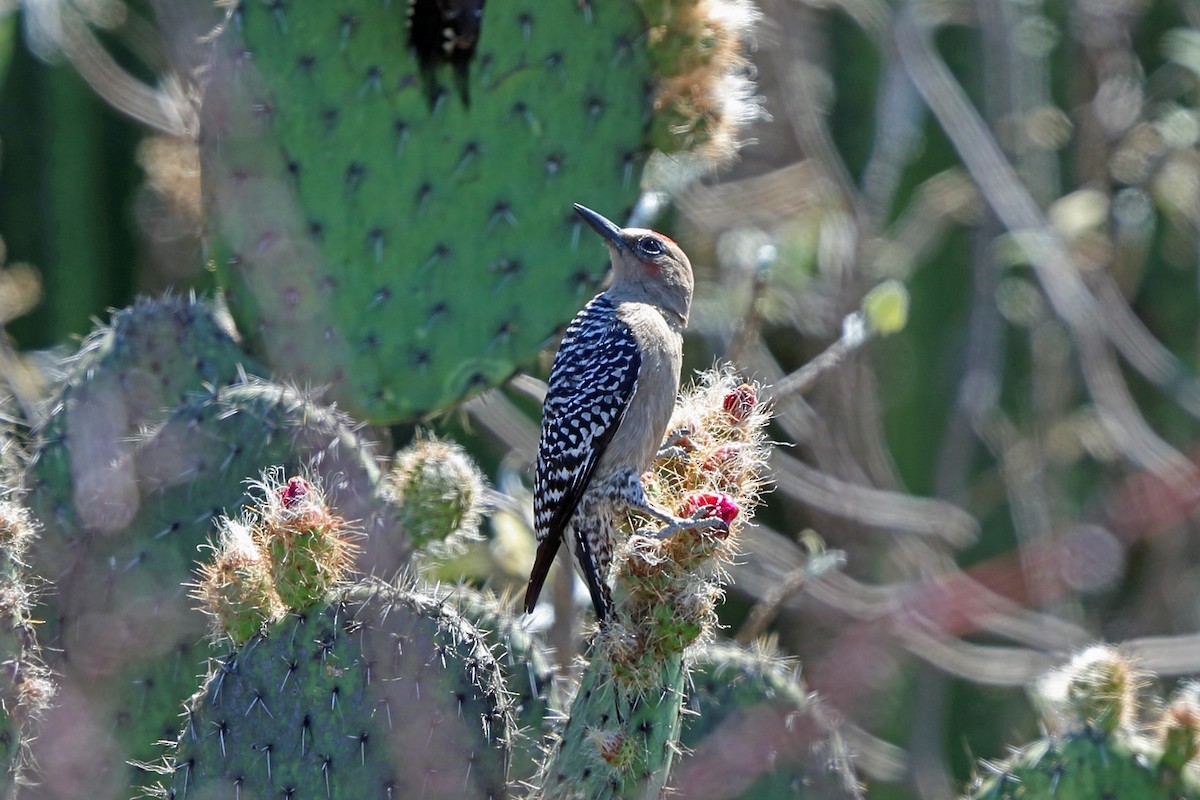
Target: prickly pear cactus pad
point(536, 692)
point(753, 731)
point(1085, 763)
point(126, 376)
point(384, 693)
point(403, 232)
point(126, 637)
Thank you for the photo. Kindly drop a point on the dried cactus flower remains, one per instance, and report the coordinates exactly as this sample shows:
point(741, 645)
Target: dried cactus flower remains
point(667, 590)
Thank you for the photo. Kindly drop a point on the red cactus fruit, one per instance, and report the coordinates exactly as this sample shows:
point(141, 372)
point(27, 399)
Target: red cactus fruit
point(740, 402)
point(719, 505)
point(294, 492)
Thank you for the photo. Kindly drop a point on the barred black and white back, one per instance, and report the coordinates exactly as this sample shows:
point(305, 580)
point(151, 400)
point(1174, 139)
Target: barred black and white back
point(592, 382)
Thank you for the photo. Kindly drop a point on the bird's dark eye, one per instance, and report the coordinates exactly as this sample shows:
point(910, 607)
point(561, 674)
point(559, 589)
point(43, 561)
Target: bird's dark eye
point(650, 246)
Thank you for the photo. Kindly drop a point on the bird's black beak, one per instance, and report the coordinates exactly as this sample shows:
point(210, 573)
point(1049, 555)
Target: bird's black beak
point(601, 225)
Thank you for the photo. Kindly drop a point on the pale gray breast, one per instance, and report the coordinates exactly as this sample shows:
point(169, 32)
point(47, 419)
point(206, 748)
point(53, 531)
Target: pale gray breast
point(645, 423)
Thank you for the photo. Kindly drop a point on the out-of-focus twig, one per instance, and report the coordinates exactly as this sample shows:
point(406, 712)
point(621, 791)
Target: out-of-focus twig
point(154, 107)
point(878, 507)
point(1053, 263)
point(766, 609)
point(500, 417)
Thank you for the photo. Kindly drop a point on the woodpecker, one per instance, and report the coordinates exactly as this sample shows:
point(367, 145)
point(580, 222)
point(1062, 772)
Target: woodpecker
point(609, 400)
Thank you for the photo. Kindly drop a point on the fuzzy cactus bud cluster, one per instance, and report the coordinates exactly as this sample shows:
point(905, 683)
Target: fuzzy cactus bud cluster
point(440, 493)
point(1110, 737)
point(704, 92)
point(670, 587)
point(1098, 688)
point(285, 554)
point(1179, 728)
point(25, 685)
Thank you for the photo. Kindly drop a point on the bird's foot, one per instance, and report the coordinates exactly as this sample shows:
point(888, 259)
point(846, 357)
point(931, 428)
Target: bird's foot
point(675, 445)
point(702, 520)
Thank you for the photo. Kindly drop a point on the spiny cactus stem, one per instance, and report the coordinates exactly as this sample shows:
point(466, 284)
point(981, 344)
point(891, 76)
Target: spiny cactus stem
point(620, 740)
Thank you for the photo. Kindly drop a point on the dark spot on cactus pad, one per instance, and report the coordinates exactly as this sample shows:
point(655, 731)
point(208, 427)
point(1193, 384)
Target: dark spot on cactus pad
point(407, 81)
point(400, 128)
point(420, 359)
point(440, 252)
point(506, 268)
point(553, 165)
point(293, 168)
point(371, 341)
point(375, 243)
point(329, 116)
point(380, 297)
point(316, 231)
point(525, 21)
point(355, 173)
point(437, 98)
point(470, 150)
point(347, 22)
point(305, 63)
point(423, 193)
point(436, 313)
point(501, 212)
point(621, 49)
point(277, 7)
point(587, 773)
point(374, 79)
point(580, 279)
point(445, 32)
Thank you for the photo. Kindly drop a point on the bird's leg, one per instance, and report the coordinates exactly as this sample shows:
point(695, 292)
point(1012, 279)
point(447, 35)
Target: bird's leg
point(671, 448)
point(626, 488)
point(700, 521)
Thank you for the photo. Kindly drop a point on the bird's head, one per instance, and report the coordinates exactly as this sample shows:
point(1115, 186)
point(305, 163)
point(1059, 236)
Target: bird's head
point(647, 266)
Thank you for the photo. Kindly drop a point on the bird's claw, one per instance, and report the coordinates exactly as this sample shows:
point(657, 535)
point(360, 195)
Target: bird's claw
point(702, 520)
point(675, 445)
point(673, 451)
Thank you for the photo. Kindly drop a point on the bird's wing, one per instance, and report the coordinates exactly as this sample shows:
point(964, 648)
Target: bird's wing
point(591, 384)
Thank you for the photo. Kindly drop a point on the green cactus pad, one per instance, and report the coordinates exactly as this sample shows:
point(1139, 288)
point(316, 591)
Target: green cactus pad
point(536, 692)
point(128, 640)
point(618, 742)
point(406, 250)
point(752, 729)
point(385, 693)
point(126, 377)
point(1084, 764)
